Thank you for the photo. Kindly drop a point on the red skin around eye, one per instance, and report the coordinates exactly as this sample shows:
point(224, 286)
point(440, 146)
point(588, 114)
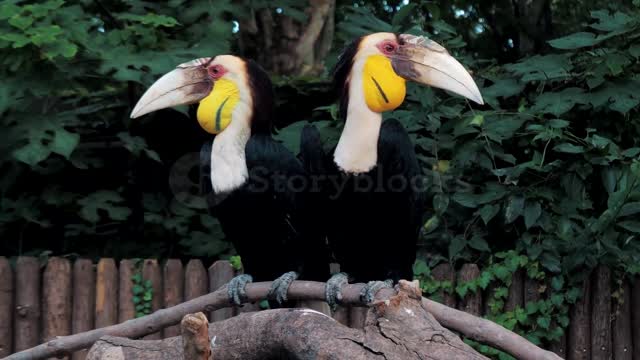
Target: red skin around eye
point(216, 71)
point(388, 47)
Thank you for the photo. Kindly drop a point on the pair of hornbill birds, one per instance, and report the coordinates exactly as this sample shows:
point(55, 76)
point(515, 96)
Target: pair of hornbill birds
point(361, 203)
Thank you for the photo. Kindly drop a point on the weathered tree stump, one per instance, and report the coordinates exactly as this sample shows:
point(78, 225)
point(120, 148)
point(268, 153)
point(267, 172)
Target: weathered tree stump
point(397, 328)
point(195, 337)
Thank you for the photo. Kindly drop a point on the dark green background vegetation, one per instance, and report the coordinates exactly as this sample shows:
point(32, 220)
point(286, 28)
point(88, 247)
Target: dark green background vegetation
point(545, 177)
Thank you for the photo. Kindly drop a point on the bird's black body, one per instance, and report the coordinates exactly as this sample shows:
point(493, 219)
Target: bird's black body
point(373, 218)
point(267, 217)
point(267, 222)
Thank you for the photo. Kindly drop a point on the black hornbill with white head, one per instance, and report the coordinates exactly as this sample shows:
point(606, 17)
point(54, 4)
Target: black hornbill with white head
point(374, 216)
point(248, 176)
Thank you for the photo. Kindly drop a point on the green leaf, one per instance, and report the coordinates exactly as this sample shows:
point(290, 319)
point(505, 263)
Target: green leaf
point(532, 213)
point(544, 321)
point(569, 148)
point(575, 41)
point(44, 140)
point(105, 200)
point(631, 152)
point(630, 225)
point(479, 243)
point(557, 282)
point(514, 208)
point(487, 212)
point(550, 262)
point(431, 224)
point(400, 18)
point(456, 245)
point(420, 267)
point(20, 22)
point(440, 203)
point(630, 208)
point(558, 103)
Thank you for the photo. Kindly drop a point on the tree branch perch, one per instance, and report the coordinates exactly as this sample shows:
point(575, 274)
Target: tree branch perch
point(472, 327)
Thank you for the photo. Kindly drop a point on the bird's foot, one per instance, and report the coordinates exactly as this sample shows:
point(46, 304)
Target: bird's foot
point(333, 289)
point(368, 293)
point(280, 287)
point(236, 289)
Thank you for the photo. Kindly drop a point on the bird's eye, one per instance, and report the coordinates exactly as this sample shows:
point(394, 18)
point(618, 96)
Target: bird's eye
point(388, 48)
point(216, 71)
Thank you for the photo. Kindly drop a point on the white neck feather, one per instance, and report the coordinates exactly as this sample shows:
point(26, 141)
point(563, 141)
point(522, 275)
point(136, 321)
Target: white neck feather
point(228, 162)
point(357, 149)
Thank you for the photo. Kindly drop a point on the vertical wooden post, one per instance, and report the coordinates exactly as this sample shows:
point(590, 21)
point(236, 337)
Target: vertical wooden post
point(126, 307)
point(445, 272)
point(601, 315)
point(579, 336)
point(195, 280)
point(84, 300)
point(27, 315)
point(622, 345)
point(173, 283)
point(560, 346)
point(515, 298)
point(219, 274)
point(151, 272)
point(56, 304)
point(472, 302)
point(106, 293)
point(6, 307)
point(357, 316)
point(531, 290)
point(635, 316)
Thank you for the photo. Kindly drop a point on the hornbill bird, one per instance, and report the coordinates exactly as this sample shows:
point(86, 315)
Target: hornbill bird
point(374, 196)
point(248, 177)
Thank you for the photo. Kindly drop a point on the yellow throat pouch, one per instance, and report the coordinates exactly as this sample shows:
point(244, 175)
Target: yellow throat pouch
point(215, 110)
point(383, 89)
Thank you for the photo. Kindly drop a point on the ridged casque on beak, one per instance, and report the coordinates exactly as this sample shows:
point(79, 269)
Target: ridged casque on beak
point(424, 61)
point(187, 84)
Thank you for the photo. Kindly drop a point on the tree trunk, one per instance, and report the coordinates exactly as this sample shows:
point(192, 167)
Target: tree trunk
point(286, 46)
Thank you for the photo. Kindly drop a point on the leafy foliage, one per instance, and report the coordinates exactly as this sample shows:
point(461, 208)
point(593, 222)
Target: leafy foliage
point(543, 179)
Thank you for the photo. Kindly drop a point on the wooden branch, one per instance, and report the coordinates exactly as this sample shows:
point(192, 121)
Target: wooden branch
point(195, 337)
point(472, 327)
point(397, 328)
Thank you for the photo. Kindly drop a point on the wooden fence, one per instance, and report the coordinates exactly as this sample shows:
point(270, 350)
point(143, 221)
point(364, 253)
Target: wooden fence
point(65, 298)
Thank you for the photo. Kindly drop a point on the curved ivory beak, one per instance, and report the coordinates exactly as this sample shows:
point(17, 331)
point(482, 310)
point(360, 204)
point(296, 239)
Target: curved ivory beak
point(427, 62)
point(187, 84)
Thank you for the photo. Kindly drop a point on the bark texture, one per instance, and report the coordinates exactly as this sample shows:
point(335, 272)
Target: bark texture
point(84, 293)
point(195, 337)
point(396, 328)
point(286, 43)
point(470, 326)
